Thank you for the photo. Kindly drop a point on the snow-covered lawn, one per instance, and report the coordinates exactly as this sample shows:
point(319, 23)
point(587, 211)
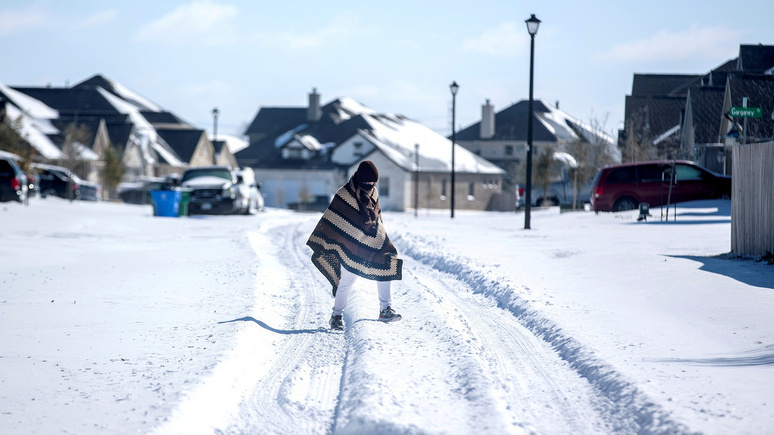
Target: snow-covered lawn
point(114, 321)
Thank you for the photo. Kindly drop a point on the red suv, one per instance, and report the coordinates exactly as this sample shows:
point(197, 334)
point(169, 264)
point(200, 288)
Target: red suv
point(624, 187)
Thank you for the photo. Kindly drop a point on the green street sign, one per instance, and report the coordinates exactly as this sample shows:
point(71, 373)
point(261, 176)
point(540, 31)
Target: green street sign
point(746, 112)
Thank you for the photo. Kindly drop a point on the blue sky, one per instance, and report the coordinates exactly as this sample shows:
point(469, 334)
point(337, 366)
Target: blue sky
point(394, 57)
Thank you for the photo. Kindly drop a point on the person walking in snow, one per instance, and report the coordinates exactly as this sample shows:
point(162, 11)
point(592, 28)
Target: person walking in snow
point(350, 241)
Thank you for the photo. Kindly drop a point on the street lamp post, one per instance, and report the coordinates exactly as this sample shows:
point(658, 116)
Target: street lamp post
point(215, 113)
point(532, 27)
point(454, 87)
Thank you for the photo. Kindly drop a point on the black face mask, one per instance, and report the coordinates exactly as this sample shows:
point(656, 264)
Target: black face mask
point(367, 187)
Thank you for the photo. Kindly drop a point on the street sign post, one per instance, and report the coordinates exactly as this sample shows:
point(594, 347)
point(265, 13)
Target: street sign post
point(746, 112)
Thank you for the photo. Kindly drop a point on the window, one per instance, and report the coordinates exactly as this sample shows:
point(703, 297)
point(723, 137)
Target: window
point(358, 149)
point(649, 173)
point(621, 175)
point(685, 172)
point(384, 187)
point(471, 191)
point(294, 153)
point(443, 189)
point(509, 150)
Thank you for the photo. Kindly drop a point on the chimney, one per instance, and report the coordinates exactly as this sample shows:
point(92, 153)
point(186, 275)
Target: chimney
point(314, 113)
point(487, 121)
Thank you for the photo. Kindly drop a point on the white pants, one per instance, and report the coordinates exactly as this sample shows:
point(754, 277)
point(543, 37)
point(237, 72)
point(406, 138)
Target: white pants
point(346, 283)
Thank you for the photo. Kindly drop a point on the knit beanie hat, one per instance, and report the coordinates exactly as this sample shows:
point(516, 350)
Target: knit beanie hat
point(366, 173)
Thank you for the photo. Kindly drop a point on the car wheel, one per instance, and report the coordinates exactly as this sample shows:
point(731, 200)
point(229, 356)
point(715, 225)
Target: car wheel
point(48, 192)
point(625, 203)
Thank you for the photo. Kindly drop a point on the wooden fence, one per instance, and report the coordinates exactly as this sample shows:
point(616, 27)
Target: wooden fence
point(752, 199)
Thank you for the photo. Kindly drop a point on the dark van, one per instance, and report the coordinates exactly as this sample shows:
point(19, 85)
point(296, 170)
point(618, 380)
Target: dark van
point(624, 187)
point(13, 182)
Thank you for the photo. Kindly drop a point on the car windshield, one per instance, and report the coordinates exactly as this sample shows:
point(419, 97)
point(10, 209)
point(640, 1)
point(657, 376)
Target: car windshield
point(213, 172)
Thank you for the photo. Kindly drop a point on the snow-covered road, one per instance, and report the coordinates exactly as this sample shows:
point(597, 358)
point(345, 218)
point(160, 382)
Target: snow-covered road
point(457, 364)
point(118, 322)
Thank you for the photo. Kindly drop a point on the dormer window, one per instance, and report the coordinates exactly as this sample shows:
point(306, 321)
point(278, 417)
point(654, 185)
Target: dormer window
point(294, 153)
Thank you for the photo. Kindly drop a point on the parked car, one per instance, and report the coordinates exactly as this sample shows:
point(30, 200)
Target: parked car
point(624, 187)
point(249, 192)
point(57, 181)
point(88, 191)
point(558, 193)
point(138, 192)
point(214, 190)
point(314, 203)
point(13, 182)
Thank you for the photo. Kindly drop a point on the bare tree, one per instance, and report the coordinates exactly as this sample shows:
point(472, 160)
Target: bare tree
point(638, 144)
point(543, 168)
point(13, 140)
point(591, 153)
point(114, 169)
point(76, 137)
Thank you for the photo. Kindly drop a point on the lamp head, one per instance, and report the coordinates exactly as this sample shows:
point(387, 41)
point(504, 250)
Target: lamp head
point(532, 25)
point(454, 87)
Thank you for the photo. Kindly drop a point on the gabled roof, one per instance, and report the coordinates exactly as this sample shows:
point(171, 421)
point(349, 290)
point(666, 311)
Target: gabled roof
point(163, 118)
point(707, 111)
point(756, 59)
point(119, 134)
point(663, 84)
point(342, 119)
point(182, 141)
point(658, 113)
point(218, 146)
point(718, 76)
point(71, 101)
point(396, 137)
point(275, 127)
point(120, 91)
point(549, 125)
point(271, 120)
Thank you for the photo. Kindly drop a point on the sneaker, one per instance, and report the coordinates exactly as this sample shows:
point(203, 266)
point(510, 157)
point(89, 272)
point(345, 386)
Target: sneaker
point(337, 323)
point(389, 315)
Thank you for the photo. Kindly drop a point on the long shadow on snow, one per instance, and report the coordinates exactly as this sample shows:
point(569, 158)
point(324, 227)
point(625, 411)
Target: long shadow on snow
point(747, 272)
point(755, 357)
point(279, 331)
point(687, 212)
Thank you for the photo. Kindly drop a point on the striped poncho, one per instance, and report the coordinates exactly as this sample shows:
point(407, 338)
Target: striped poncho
point(345, 237)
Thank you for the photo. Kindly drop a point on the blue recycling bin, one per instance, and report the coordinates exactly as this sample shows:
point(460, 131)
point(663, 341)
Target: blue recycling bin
point(166, 203)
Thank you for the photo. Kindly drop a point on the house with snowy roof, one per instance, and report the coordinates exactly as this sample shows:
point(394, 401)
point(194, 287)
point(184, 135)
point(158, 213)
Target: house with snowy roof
point(501, 137)
point(153, 141)
point(300, 153)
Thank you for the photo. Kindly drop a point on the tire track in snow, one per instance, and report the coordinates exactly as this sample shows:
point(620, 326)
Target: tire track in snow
point(628, 411)
point(284, 365)
point(535, 390)
point(299, 392)
point(453, 365)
